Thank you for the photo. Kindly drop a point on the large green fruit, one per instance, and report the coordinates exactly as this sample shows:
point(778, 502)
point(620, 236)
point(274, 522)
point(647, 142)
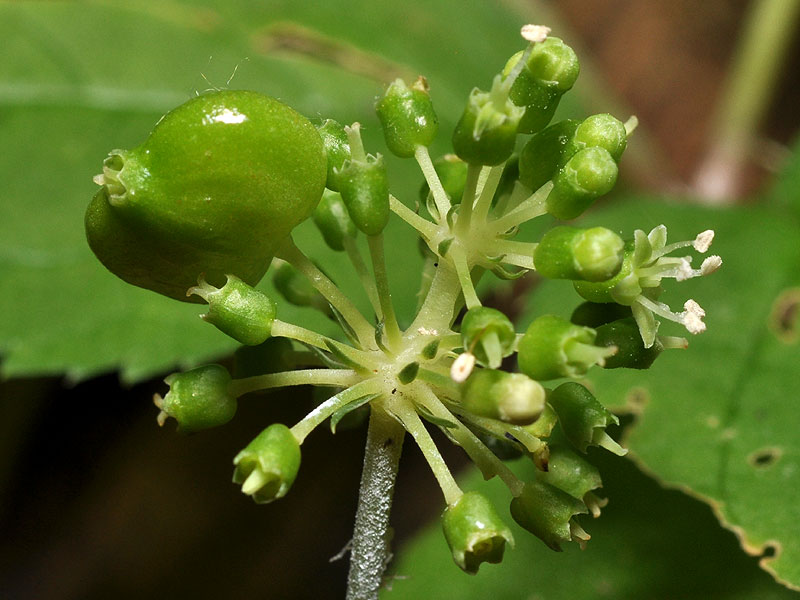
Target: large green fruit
point(220, 182)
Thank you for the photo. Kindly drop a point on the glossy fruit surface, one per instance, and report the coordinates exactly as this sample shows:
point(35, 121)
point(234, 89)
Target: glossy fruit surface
point(220, 182)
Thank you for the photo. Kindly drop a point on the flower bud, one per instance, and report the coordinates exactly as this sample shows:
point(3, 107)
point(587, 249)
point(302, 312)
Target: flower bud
point(589, 174)
point(475, 532)
point(198, 399)
point(551, 70)
point(631, 353)
point(593, 254)
point(452, 172)
point(510, 397)
point(544, 153)
point(600, 131)
point(364, 186)
point(267, 467)
point(488, 334)
point(237, 310)
point(407, 117)
point(582, 418)
point(333, 220)
point(337, 147)
point(487, 130)
point(547, 512)
point(573, 474)
point(553, 347)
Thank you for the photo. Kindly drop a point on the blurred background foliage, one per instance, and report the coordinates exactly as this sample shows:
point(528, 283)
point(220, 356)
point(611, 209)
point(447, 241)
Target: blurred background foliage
point(97, 502)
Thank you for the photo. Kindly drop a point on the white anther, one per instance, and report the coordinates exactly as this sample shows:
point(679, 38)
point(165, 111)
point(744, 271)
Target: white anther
point(692, 317)
point(426, 331)
point(462, 367)
point(535, 33)
point(711, 264)
point(703, 240)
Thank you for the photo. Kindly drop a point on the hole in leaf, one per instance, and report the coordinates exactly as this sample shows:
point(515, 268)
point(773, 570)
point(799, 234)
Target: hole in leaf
point(783, 319)
point(765, 457)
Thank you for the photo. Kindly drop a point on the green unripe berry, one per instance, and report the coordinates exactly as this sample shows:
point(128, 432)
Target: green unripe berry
point(601, 131)
point(238, 310)
point(198, 399)
point(510, 397)
point(582, 418)
point(551, 70)
point(333, 220)
point(631, 353)
point(543, 155)
point(452, 172)
point(364, 185)
point(611, 290)
point(268, 466)
point(547, 512)
point(337, 149)
point(407, 116)
point(565, 252)
point(488, 334)
point(570, 472)
point(553, 347)
point(475, 532)
point(487, 131)
point(589, 174)
point(218, 184)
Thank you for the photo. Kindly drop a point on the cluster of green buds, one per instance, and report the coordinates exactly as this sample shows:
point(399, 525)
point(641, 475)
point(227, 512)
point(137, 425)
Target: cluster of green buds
point(448, 367)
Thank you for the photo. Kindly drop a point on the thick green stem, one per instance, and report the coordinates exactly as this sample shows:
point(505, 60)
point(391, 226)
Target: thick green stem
point(437, 312)
point(370, 545)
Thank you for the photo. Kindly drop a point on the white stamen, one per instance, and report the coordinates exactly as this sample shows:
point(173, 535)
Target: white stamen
point(692, 317)
point(535, 33)
point(685, 271)
point(462, 367)
point(711, 264)
point(426, 331)
point(703, 240)
point(99, 179)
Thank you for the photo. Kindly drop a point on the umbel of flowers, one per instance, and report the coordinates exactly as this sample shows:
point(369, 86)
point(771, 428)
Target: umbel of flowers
point(202, 208)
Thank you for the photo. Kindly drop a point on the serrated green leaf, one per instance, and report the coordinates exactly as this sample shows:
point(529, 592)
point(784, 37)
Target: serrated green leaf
point(648, 543)
point(720, 419)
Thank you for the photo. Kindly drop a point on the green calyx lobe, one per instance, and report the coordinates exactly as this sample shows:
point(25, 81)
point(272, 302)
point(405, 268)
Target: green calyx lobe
point(219, 183)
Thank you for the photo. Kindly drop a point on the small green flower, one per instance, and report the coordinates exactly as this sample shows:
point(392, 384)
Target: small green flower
point(582, 418)
point(593, 254)
point(510, 397)
point(488, 334)
point(268, 466)
point(197, 399)
point(238, 310)
point(638, 283)
point(407, 117)
point(553, 347)
point(547, 512)
point(475, 532)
